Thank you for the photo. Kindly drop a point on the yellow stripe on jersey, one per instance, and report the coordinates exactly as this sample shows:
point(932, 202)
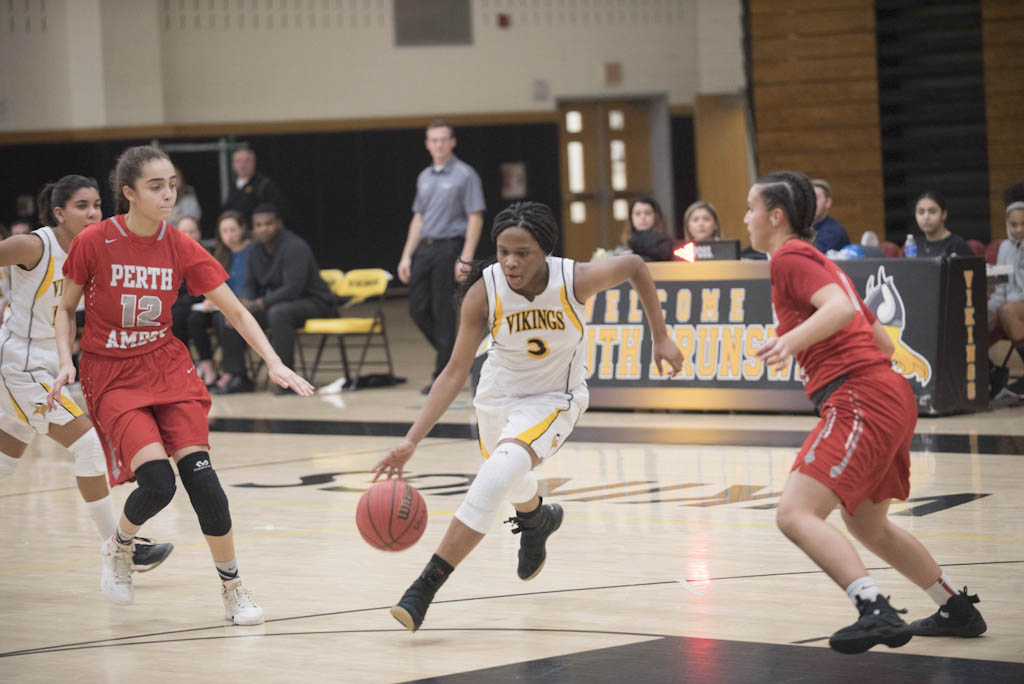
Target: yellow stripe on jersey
point(496, 326)
point(14, 402)
point(47, 280)
point(69, 405)
point(480, 437)
point(568, 310)
point(529, 436)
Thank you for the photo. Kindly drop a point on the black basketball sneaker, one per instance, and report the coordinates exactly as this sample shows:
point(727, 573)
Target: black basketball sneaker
point(957, 617)
point(146, 554)
point(535, 530)
point(879, 623)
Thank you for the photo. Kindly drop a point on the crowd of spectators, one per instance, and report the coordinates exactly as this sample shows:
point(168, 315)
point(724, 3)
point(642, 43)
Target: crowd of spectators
point(275, 273)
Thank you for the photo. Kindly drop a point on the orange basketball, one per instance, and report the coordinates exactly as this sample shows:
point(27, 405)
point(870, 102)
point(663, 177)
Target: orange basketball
point(391, 515)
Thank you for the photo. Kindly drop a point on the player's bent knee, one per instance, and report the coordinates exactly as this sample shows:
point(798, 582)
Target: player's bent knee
point(156, 489)
point(89, 458)
point(206, 494)
point(500, 474)
point(524, 490)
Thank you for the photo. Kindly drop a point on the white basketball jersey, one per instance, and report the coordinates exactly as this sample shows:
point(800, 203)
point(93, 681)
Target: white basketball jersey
point(36, 292)
point(538, 345)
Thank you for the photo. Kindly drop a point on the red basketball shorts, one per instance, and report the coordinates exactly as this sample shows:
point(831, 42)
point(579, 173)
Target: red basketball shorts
point(861, 446)
point(135, 401)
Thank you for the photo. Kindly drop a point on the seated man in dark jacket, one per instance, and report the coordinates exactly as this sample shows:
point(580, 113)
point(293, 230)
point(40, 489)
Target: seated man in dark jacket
point(282, 290)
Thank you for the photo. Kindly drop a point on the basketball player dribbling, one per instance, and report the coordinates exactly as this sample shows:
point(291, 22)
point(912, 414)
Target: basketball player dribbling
point(858, 456)
point(139, 381)
point(532, 388)
point(28, 355)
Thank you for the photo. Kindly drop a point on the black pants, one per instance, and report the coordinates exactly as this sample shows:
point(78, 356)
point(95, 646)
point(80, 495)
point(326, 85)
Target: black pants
point(192, 326)
point(432, 295)
point(283, 319)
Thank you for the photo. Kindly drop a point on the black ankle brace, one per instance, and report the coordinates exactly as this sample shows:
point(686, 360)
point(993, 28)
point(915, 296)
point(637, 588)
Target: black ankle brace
point(436, 572)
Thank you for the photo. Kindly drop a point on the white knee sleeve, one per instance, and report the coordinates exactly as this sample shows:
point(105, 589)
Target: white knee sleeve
point(507, 467)
point(7, 465)
point(524, 490)
point(88, 453)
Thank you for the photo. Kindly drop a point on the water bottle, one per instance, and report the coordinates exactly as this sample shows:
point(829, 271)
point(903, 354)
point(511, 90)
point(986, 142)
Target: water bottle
point(910, 247)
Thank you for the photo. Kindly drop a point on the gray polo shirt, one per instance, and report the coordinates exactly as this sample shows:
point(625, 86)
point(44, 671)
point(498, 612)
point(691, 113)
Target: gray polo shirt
point(446, 198)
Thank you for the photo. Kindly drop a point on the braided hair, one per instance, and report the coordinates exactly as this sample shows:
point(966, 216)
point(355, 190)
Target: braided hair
point(792, 192)
point(533, 217)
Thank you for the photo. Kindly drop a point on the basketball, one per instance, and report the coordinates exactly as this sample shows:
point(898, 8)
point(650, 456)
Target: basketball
point(391, 515)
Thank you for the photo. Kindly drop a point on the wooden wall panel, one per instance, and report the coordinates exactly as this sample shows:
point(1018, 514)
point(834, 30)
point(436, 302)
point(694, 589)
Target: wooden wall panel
point(723, 160)
point(1002, 24)
point(815, 76)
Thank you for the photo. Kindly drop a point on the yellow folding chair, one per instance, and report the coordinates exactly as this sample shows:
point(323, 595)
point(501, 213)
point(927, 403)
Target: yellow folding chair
point(364, 286)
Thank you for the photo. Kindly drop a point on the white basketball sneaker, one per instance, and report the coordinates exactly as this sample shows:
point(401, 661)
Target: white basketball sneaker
point(239, 606)
point(116, 578)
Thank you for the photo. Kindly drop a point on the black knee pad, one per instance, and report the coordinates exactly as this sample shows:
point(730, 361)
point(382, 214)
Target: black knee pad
point(207, 496)
point(156, 489)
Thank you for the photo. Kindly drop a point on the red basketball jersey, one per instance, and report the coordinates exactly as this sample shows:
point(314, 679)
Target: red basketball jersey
point(131, 283)
point(798, 270)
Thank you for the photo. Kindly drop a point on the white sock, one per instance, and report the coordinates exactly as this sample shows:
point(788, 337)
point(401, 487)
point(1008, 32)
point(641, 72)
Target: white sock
point(121, 537)
point(942, 590)
point(102, 512)
point(7, 465)
point(228, 570)
point(863, 587)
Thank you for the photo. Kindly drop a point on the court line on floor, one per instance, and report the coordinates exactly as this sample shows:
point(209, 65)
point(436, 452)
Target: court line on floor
point(114, 641)
point(992, 444)
point(299, 459)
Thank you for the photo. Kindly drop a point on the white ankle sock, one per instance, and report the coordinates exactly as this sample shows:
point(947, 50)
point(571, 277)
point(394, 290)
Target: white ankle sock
point(7, 465)
point(942, 590)
point(121, 537)
point(102, 512)
point(864, 587)
point(228, 570)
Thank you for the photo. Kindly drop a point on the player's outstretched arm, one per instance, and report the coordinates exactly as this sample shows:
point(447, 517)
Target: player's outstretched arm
point(64, 329)
point(472, 328)
point(22, 250)
point(833, 311)
point(242, 321)
point(591, 278)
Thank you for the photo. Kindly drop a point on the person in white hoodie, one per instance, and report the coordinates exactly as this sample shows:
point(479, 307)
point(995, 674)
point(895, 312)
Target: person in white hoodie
point(1006, 303)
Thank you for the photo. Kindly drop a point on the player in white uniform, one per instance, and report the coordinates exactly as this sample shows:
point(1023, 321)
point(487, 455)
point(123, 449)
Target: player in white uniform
point(532, 387)
point(28, 354)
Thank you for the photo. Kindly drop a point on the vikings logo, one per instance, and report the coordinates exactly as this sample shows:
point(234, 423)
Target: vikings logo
point(884, 299)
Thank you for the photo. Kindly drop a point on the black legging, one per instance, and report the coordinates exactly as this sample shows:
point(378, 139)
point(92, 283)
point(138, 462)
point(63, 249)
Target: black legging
point(188, 325)
point(283, 319)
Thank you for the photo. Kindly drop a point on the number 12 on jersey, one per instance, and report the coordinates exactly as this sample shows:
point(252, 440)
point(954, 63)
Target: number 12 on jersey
point(137, 311)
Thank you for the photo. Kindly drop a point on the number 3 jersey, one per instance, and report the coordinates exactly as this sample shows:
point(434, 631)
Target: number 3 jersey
point(538, 346)
point(131, 282)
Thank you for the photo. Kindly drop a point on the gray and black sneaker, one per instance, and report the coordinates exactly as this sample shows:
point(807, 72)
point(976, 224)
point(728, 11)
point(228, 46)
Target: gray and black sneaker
point(146, 554)
point(957, 617)
point(535, 530)
point(879, 623)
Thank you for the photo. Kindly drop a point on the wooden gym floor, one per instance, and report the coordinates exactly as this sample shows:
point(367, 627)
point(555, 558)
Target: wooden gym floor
point(668, 566)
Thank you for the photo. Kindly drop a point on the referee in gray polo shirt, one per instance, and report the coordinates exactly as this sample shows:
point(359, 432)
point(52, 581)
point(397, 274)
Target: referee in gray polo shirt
point(448, 215)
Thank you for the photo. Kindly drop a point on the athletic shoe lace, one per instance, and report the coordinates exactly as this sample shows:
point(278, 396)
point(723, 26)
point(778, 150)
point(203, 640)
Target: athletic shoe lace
point(240, 598)
point(122, 562)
